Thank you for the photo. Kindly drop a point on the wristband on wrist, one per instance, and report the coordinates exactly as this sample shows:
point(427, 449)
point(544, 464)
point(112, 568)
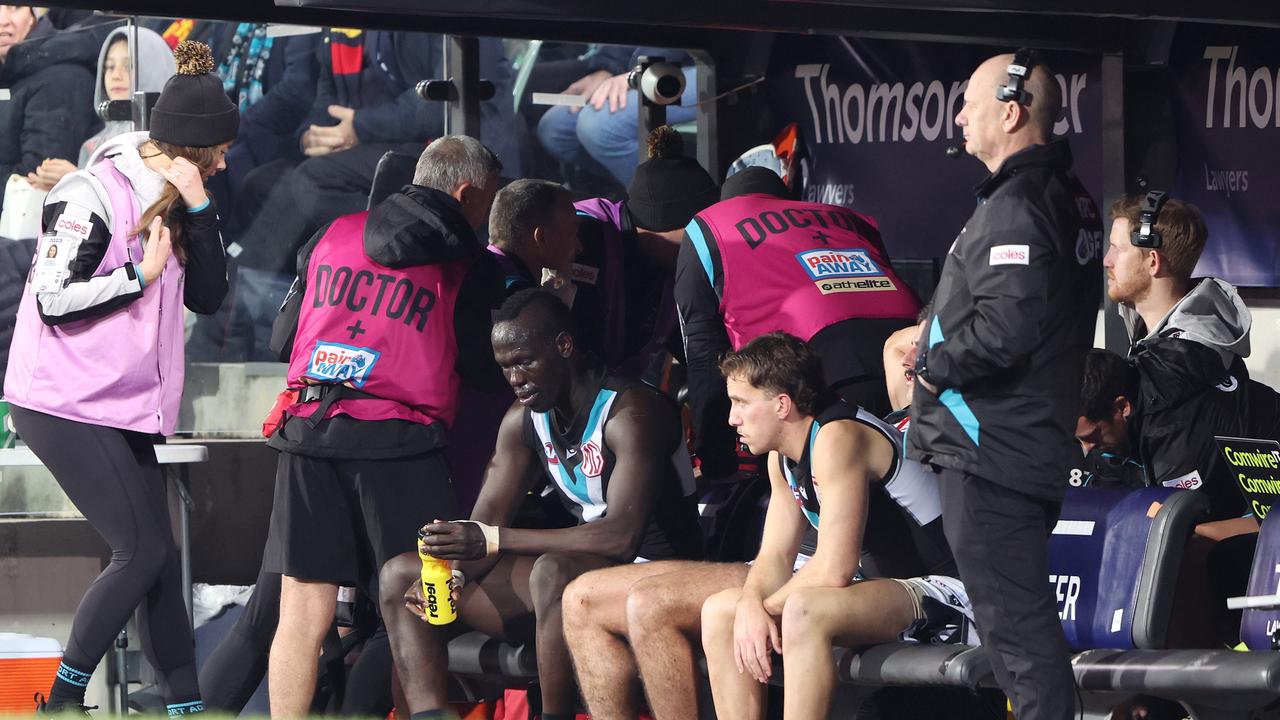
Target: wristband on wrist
point(199, 207)
point(490, 537)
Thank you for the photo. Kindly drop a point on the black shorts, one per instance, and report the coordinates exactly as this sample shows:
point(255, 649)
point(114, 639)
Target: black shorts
point(338, 520)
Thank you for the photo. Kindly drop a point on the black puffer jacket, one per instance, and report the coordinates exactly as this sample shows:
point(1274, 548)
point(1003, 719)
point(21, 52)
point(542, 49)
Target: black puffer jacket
point(1013, 317)
point(49, 113)
point(1192, 386)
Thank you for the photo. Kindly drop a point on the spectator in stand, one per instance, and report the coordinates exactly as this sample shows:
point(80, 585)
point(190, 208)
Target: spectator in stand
point(366, 104)
point(273, 82)
point(49, 76)
point(115, 82)
point(600, 138)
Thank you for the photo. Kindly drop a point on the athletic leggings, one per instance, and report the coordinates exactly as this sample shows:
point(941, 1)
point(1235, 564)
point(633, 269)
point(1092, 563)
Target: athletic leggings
point(113, 479)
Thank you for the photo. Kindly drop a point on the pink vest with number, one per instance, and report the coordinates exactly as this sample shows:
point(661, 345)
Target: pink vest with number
point(797, 266)
point(384, 331)
point(123, 369)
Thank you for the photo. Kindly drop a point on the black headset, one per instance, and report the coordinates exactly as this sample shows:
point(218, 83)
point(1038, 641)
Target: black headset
point(1145, 236)
point(1024, 61)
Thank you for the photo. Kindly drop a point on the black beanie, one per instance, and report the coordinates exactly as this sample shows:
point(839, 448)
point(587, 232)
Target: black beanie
point(668, 189)
point(193, 109)
point(754, 180)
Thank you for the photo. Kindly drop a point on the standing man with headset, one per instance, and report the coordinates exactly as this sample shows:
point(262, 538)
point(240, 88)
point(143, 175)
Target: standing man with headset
point(998, 371)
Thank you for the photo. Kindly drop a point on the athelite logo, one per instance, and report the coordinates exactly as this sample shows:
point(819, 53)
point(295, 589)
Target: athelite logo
point(336, 362)
point(849, 270)
point(592, 460)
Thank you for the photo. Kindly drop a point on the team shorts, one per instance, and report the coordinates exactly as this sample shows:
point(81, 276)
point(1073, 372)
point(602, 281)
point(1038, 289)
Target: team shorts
point(338, 521)
point(943, 613)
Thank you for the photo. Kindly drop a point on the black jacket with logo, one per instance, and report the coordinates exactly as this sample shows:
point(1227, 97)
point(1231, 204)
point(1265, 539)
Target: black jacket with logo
point(1192, 386)
point(1013, 317)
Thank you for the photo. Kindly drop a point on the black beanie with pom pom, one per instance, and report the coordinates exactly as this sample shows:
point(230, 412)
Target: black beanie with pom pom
point(193, 110)
point(668, 189)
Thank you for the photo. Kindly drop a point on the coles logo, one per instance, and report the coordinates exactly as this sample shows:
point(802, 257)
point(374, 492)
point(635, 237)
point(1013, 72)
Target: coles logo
point(1190, 481)
point(592, 460)
point(336, 362)
point(1011, 255)
point(551, 454)
point(824, 264)
point(72, 226)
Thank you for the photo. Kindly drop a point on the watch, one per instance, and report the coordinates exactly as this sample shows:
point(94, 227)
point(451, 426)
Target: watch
point(922, 367)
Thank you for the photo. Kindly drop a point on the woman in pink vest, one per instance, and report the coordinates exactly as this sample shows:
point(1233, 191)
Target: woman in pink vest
point(96, 366)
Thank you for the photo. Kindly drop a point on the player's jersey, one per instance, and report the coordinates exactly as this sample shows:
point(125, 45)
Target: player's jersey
point(903, 536)
point(579, 464)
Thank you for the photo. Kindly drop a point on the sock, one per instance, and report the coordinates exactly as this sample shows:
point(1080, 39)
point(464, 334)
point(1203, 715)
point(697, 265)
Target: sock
point(189, 707)
point(68, 685)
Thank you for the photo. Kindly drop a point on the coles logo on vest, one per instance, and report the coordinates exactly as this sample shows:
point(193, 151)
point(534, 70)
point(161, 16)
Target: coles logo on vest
point(335, 362)
point(592, 460)
point(839, 271)
point(550, 452)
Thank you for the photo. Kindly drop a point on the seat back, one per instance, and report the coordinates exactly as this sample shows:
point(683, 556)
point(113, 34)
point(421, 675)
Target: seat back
point(1257, 626)
point(394, 171)
point(1113, 563)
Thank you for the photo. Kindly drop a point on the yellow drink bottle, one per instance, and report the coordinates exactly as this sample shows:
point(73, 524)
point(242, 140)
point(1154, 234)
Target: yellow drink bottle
point(436, 574)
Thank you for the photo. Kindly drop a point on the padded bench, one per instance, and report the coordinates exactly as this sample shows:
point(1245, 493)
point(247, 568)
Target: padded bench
point(1123, 548)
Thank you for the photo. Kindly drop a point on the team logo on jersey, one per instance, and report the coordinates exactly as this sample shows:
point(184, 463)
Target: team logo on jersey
point(550, 451)
point(837, 271)
point(336, 362)
point(592, 460)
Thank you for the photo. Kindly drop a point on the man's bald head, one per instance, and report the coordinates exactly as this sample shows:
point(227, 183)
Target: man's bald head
point(1046, 96)
point(993, 129)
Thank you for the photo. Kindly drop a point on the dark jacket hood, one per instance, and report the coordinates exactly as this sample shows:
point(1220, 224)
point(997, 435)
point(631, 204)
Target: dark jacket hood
point(418, 226)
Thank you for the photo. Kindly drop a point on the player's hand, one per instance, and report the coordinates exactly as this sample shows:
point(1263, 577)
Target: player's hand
point(613, 92)
point(586, 86)
point(755, 634)
point(453, 540)
point(414, 601)
point(156, 251)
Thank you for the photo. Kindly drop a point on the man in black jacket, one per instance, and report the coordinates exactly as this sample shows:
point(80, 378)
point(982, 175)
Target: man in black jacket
point(998, 373)
point(1190, 338)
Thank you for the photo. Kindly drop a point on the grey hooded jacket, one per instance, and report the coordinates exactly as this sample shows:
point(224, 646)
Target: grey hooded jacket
point(155, 68)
